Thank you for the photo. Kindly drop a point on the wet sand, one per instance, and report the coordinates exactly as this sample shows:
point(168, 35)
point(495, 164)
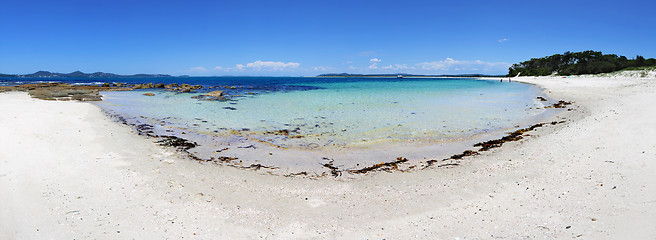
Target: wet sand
point(68, 171)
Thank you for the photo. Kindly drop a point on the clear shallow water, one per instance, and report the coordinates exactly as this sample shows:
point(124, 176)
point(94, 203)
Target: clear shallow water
point(313, 113)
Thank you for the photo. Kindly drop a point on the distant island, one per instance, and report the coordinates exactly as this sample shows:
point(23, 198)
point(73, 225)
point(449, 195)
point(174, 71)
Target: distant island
point(403, 75)
point(577, 63)
point(78, 74)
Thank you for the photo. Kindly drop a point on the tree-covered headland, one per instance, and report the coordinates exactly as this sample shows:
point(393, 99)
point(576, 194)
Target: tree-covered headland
point(576, 63)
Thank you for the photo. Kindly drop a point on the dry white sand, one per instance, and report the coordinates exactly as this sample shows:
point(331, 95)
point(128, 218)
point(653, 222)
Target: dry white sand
point(67, 171)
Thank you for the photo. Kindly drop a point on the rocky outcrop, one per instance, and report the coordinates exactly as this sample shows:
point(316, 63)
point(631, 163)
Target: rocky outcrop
point(143, 86)
point(146, 85)
point(182, 88)
point(212, 96)
point(64, 94)
point(63, 91)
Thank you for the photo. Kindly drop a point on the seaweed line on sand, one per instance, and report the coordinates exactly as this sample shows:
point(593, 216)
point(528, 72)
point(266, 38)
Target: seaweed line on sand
point(487, 145)
point(185, 145)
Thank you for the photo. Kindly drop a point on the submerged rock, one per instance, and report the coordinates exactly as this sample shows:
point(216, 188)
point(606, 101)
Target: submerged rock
point(214, 94)
point(149, 94)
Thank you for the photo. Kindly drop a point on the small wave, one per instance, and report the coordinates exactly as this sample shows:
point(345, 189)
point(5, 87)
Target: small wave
point(87, 83)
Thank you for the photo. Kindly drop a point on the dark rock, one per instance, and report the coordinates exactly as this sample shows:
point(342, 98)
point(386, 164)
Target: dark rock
point(183, 88)
point(143, 86)
point(173, 141)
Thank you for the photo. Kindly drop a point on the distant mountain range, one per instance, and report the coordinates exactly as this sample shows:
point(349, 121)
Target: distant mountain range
point(78, 74)
point(403, 75)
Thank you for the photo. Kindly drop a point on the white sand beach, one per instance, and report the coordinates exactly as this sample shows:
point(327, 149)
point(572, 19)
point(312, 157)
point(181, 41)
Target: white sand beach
point(69, 172)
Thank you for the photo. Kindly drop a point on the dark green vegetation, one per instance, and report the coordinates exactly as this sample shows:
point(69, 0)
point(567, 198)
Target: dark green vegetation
point(569, 63)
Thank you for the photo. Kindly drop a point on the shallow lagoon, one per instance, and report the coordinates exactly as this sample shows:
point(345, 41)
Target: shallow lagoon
point(335, 112)
point(302, 125)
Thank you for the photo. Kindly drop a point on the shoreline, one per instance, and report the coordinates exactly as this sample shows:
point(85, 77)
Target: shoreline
point(72, 172)
point(348, 160)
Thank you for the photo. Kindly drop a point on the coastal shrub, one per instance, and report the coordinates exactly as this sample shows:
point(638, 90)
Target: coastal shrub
point(577, 63)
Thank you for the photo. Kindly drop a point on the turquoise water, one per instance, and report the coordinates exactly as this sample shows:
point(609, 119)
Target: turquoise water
point(314, 113)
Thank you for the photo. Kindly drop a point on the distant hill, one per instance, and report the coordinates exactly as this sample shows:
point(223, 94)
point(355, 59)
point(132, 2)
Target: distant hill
point(403, 75)
point(577, 63)
point(78, 74)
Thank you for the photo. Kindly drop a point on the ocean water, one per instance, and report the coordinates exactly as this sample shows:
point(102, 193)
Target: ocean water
point(318, 113)
point(300, 124)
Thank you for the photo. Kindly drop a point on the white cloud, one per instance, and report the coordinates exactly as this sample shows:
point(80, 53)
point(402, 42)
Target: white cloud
point(260, 66)
point(323, 69)
point(271, 66)
point(398, 67)
point(374, 63)
point(503, 40)
point(450, 64)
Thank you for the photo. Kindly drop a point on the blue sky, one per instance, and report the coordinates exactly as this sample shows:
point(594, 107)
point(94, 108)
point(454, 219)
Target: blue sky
point(302, 38)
